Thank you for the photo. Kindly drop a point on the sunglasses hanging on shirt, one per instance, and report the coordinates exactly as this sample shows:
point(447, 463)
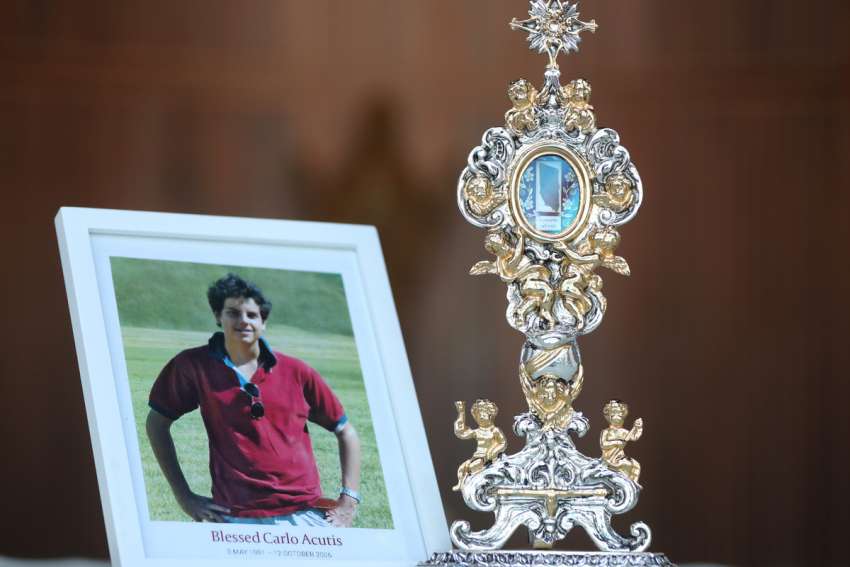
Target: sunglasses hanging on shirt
point(257, 408)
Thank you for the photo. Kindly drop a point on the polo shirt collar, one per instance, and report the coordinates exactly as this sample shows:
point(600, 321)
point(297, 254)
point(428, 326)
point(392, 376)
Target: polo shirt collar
point(216, 345)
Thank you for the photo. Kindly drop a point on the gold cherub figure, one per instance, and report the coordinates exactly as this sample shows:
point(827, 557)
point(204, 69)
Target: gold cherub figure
point(613, 439)
point(550, 397)
point(579, 111)
point(618, 195)
point(577, 272)
point(512, 265)
point(603, 242)
point(596, 250)
point(481, 196)
point(490, 439)
point(523, 96)
point(577, 281)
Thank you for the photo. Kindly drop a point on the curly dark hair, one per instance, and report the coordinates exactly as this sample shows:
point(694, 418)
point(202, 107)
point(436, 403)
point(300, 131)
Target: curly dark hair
point(232, 285)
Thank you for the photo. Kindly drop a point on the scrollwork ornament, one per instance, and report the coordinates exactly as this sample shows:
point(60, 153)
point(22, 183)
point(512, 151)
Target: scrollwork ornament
point(494, 154)
point(620, 192)
point(606, 153)
point(480, 191)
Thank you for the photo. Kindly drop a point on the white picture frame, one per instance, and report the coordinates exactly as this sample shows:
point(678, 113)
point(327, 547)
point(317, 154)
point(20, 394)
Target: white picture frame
point(89, 238)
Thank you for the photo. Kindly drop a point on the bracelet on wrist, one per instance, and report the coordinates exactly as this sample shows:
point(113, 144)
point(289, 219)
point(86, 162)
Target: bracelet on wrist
point(353, 494)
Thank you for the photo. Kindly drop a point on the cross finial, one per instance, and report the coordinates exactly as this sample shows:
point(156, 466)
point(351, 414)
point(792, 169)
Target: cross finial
point(553, 27)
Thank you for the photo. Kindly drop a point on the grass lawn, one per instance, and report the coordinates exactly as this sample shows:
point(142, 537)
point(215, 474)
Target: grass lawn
point(334, 356)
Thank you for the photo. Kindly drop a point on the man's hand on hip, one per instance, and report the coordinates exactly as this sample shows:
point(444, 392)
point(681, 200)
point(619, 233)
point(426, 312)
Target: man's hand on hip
point(202, 508)
point(343, 515)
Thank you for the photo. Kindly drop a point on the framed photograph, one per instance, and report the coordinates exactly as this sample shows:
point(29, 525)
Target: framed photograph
point(247, 391)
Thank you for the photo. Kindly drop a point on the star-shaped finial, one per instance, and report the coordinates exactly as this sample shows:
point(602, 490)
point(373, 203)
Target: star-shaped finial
point(553, 27)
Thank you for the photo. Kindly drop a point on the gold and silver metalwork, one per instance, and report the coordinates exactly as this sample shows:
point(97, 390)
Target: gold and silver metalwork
point(551, 189)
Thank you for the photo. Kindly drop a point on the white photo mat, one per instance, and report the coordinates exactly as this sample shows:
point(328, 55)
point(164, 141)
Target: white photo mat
point(88, 238)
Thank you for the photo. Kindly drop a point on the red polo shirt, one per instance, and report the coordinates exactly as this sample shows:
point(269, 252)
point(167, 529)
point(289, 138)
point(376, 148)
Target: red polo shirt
point(259, 467)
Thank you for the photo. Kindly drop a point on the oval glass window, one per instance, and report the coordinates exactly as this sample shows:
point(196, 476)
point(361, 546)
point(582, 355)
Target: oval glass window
point(549, 195)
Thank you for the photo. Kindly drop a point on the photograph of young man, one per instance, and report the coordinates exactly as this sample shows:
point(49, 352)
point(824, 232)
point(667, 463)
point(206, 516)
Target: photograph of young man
point(255, 403)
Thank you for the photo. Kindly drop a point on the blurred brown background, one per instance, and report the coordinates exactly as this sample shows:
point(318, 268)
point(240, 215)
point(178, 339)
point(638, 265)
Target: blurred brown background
point(729, 338)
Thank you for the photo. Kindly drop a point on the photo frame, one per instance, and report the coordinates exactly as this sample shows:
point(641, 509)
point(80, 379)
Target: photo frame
point(133, 281)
